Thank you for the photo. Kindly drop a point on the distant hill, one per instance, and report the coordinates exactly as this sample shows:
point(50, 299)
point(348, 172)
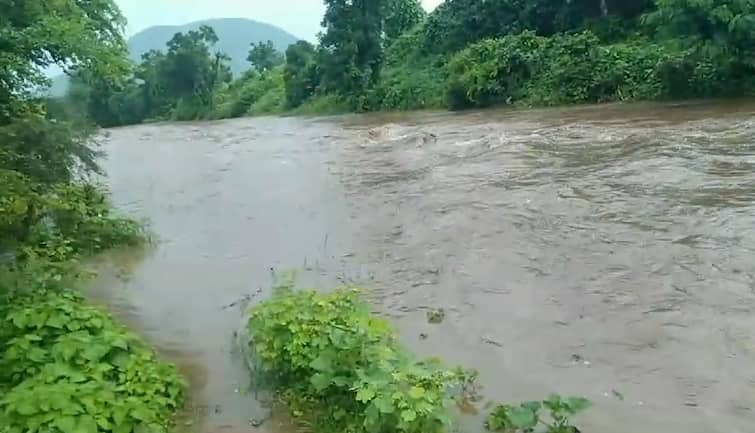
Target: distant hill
point(234, 34)
point(234, 37)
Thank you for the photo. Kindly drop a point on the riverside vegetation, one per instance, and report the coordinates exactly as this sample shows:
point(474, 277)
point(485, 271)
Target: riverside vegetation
point(392, 55)
point(340, 369)
point(65, 366)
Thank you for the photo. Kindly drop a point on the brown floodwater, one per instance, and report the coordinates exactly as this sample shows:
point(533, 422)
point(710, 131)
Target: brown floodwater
point(599, 251)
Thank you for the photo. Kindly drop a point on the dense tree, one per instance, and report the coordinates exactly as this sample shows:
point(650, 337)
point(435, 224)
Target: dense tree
point(390, 54)
point(179, 83)
point(400, 16)
point(456, 23)
point(35, 34)
point(300, 74)
point(190, 69)
point(351, 47)
point(264, 57)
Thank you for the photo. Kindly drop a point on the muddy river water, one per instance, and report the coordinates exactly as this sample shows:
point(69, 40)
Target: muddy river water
point(599, 251)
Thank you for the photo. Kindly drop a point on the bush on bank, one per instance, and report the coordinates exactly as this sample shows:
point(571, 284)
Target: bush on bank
point(576, 68)
point(329, 358)
point(340, 369)
point(66, 366)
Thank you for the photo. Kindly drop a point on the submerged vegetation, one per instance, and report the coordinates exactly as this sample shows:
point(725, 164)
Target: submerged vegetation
point(65, 366)
point(392, 55)
point(341, 369)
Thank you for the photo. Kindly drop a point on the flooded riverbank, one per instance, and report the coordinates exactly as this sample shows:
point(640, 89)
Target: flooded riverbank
point(598, 251)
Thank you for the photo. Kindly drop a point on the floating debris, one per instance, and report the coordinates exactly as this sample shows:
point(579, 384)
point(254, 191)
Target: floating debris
point(436, 316)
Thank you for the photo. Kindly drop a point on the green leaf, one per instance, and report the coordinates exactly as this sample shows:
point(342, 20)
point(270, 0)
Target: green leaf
point(341, 381)
point(141, 413)
point(365, 395)
point(66, 424)
point(385, 404)
point(417, 392)
point(57, 321)
point(320, 381)
point(122, 428)
point(577, 404)
point(523, 418)
point(321, 363)
point(408, 415)
point(27, 407)
point(86, 425)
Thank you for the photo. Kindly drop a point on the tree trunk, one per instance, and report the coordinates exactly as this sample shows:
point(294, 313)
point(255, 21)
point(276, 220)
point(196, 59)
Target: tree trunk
point(604, 7)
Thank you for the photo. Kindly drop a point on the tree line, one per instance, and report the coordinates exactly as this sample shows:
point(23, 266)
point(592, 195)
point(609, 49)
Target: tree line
point(392, 55)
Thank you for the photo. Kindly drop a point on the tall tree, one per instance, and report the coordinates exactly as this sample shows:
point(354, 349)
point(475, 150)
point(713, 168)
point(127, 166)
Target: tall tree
point(190, 69)
point(264, 57)
point(300, 75)
point(400, 16)
point(352, 46)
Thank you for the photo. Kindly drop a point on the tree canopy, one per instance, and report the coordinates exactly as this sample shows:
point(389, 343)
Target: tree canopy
point(391, 54)
point(264, 57)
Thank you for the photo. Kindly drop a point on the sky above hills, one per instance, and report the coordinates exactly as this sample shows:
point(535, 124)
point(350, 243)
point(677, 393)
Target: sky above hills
point(300, 17)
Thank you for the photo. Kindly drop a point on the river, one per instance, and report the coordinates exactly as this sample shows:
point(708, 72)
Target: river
point(604, 251)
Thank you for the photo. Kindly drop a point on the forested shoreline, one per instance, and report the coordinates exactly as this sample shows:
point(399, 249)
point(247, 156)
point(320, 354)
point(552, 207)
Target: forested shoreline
point(392, 55)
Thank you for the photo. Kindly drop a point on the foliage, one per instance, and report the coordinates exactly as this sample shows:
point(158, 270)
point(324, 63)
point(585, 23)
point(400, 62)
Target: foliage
point(264, 57)
point(64, 366)
point(457, 23)
point(392, 55)
point(322, 104)
point(70, 33)
point(68, 367)
point(526, 417)
point(253, 94)
point(400, 16)
point(45, 151)
point(494, 70)
point(76, 217)
point(576, 68)
point(351, 48)
point(179, 83)
point(328, 357)
point(300, 75)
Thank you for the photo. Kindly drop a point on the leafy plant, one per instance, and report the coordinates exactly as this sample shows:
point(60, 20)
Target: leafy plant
point(526, 417)
point(329, 358)
point(68, 367)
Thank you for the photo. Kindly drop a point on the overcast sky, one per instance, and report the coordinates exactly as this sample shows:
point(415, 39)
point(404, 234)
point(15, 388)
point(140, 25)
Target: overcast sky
point(300, 17)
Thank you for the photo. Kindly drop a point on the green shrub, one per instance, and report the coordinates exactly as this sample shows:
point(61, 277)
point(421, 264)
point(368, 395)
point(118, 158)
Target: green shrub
point(322, 105)
point(494, 70)
point(412, 87)
point(67, 367)
point(328, 357)
point(273, 97)
point(576, 68)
